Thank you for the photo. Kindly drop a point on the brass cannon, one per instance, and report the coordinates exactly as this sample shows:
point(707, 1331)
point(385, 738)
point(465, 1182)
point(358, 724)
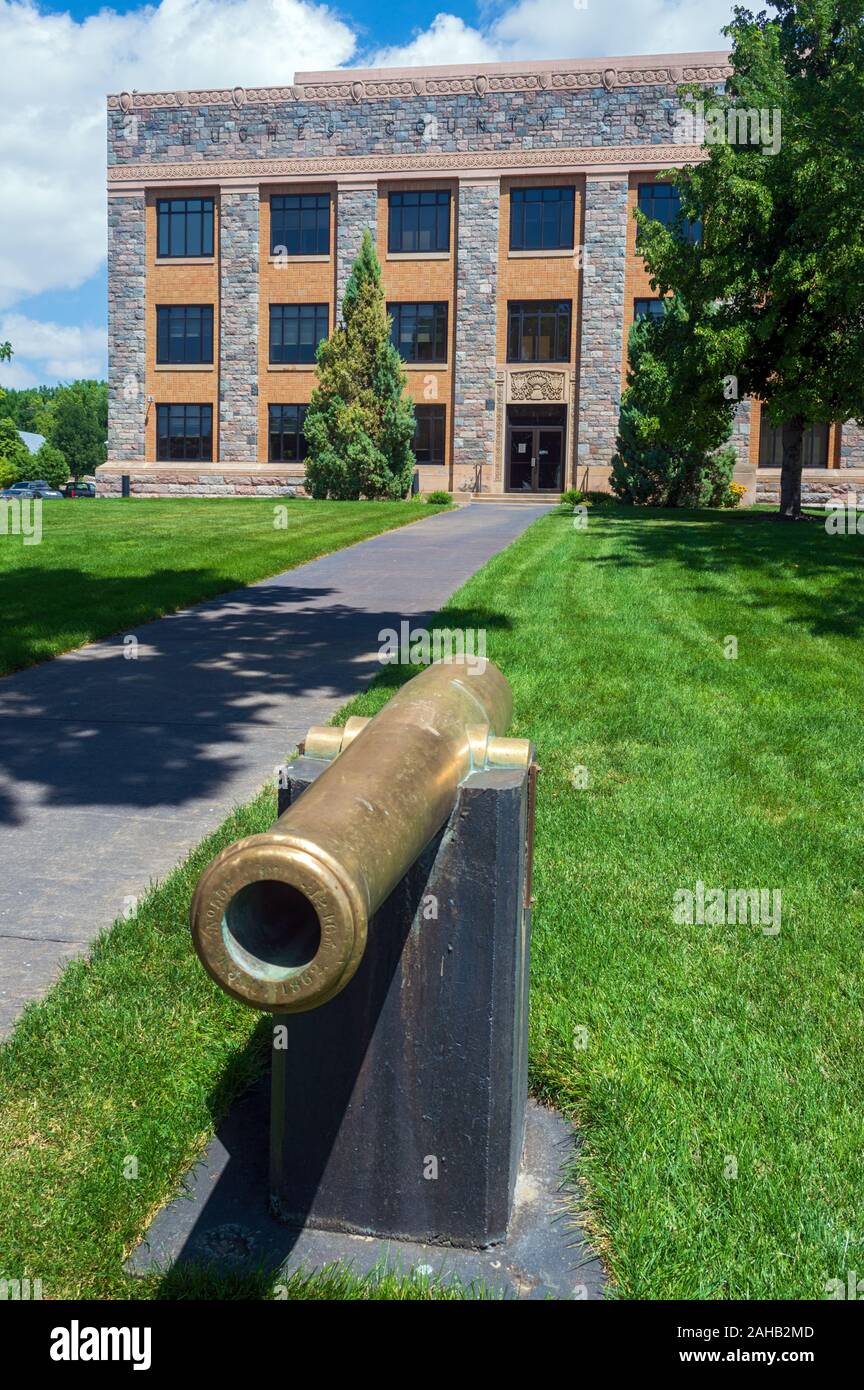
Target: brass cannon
point(280, 920)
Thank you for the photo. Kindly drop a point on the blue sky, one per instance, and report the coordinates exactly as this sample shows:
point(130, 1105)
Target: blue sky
point(66, 57)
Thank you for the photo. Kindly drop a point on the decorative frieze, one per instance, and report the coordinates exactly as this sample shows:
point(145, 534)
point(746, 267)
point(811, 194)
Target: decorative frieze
point(500, 78)
point(537, 386)
point(561, 159)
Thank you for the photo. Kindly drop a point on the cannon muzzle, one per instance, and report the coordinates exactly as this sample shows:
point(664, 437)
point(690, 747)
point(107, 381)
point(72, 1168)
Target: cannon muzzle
point(280, 920)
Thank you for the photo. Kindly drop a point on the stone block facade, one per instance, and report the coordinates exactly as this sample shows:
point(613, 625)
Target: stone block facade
point(476, 325)
point(126, 329)
point(604, 245)
point(502, 413)
point(238, 323)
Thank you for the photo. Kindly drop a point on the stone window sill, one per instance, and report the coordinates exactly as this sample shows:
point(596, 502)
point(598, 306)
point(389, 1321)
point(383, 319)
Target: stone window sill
point(186, 260)
point(291, 366)
point(185, 367)
point(297, 260)
point(425, 366)
point(418, 256)
point(557, 254)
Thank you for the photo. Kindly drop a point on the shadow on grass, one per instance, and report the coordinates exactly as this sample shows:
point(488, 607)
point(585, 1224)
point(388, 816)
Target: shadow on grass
point(707, 543)
point(96, 728)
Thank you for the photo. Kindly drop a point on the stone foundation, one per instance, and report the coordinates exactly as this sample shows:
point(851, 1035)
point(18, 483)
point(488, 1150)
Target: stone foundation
point(169, 481)
point(818, 486)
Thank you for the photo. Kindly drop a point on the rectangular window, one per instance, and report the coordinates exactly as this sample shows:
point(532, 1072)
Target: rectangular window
point(296, 330)
point(419, 331)
point(184, 432)
point(419, 220)
point(541, 219)
point(428, 442)
point(538, 330)
point(300, 224)
point(184, 227)
point(662, 202)
point(814, 447)
point(184, 333)
point(287, 441)
point(648, 308)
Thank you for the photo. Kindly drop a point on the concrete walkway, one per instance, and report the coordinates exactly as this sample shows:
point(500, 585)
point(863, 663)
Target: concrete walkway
point(112, 769)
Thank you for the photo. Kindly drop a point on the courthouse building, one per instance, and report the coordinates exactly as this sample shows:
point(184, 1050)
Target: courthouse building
point(500, 198)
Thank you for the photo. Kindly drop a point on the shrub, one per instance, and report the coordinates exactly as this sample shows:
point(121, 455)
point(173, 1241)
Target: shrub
point(438, 497)
point(573, 497)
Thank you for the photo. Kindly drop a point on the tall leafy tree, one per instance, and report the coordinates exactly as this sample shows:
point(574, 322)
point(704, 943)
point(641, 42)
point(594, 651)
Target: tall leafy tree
point(780, 268)
point(360, 423)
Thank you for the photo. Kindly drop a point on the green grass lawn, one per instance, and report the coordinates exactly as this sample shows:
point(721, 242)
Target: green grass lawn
point(108, 565)
point(686, 1054)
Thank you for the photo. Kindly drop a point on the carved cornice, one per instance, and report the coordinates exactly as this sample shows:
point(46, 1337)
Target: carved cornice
point(493, 161)
point(459, 82)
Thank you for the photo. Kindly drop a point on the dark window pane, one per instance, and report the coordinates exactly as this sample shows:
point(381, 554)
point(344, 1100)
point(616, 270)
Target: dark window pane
point(184, 227)
point(648, 308)
point(419, 331)
point(184, 333)
point(429, 433)
point(541, 219)
point(184, 432)
point(287, 441)
point(814, 446)
point(419, 221)
point(300, 224)
point(538, 330)
point(296, 330)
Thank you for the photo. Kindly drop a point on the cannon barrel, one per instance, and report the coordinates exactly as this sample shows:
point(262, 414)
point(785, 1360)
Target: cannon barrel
point(280, 920)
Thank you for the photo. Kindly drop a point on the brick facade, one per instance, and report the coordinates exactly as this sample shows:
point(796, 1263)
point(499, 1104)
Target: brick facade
point(602, 127)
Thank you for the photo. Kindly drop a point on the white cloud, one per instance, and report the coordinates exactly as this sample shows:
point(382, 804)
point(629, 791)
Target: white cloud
point(533, 29)
point(52, 122)
point(60, 350)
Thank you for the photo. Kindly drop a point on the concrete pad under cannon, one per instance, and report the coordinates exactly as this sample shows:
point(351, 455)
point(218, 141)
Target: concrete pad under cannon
point(221, 1219)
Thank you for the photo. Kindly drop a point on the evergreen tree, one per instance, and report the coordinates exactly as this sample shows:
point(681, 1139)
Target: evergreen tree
point(360, 424)
point(674, 418)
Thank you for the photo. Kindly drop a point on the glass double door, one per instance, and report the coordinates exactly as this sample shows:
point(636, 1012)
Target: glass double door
point(535, 457)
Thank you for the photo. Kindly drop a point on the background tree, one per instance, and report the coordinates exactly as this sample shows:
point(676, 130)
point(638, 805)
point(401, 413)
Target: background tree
point(780, 268)
point(360, 424)
point(80, 425)
point(14, 453)
point(49, 463)
point(675, 416)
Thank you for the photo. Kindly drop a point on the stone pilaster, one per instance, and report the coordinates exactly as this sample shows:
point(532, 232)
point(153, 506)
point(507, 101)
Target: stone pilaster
point(356, 209)
point(602, 346)
point(126, 336)
point(851, 445)
point(742, 425)
point(475, 329)
point(238, 327)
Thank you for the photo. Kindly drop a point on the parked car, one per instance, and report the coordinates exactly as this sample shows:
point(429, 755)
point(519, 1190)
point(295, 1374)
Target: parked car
point(37, 487)
point(79, 489)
